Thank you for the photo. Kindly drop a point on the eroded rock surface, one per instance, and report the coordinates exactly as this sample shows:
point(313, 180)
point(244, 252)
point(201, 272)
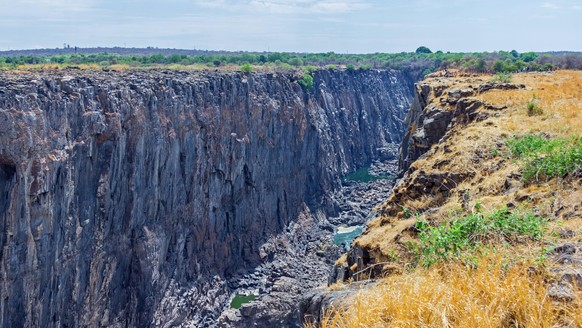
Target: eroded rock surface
point(132, 198)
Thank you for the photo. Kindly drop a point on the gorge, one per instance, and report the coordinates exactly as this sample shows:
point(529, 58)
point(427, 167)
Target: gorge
point(141, 197)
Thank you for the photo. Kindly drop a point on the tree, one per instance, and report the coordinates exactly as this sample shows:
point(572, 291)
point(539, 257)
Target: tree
point(306, 81)
point(528, 56)
point(246, 68)
point(295, 62)
point(498, 66)
point(423, 50)
point(480, 65)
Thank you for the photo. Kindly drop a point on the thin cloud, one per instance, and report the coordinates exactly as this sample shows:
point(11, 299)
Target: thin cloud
point(287, 7)
point(550, 5)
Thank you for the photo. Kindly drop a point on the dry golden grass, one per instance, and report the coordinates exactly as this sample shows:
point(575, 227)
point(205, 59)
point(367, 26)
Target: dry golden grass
point(453, 295)
point(495, 294)
point(559, 95)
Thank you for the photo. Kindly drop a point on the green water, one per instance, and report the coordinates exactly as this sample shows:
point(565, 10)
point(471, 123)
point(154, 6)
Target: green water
point(345, 236)
point(239, 300)
point(363, 175)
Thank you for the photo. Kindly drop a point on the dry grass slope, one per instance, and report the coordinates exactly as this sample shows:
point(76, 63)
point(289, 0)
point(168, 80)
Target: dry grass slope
point(494, 294)
point(510, 285)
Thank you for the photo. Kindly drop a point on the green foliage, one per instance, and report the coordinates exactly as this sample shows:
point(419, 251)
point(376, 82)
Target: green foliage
point(365, 67)
point(246, 68)
point(310, 69)
point(543, 158)
point(295, 62)
point(480, 65)
point(423, 50)
point(306, 81)
point(464, 235)
point(239, 300)
point(528, 57)
point(498, 66)
point(502, 77)
point(533, 107)
point(416, 63)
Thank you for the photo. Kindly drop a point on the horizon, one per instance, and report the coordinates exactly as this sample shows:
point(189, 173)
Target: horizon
point(152, 50)
point(297, 26)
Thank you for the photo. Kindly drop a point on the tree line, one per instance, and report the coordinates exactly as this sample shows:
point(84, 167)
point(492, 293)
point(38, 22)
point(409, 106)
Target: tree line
point(422, 61)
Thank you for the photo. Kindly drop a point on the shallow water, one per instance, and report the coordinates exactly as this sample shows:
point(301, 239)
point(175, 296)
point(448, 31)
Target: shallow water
point(345, 235)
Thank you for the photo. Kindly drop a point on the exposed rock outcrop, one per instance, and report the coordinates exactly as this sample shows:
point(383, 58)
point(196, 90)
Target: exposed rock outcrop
point(432, 111)
point(130, 198)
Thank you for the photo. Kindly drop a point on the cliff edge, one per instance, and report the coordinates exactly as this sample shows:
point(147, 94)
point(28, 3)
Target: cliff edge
point(487, 211)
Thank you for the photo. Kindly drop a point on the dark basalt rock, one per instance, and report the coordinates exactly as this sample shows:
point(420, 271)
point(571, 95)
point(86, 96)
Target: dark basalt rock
point(131, 198)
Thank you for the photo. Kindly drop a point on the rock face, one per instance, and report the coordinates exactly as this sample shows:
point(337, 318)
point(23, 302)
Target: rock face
point(130, 198)
point(427, 123)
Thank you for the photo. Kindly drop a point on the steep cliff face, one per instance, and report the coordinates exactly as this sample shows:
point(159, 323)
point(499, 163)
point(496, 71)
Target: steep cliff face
point(127, 198)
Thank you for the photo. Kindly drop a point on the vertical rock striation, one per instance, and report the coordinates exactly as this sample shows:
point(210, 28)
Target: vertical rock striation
point(128, 198)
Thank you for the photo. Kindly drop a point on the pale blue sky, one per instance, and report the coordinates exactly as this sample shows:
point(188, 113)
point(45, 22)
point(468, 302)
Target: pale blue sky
point(355, 26)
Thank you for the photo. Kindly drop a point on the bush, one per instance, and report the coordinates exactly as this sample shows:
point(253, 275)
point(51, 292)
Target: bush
point(306, 81)
point(246, 68)
point(543, 159)
point(498, 66)
point(295, 62)
point(350, 68)
point(502, 77)
point(310, 69)
point(466, 234)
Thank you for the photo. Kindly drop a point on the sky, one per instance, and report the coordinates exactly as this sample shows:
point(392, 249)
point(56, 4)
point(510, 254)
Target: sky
point(342, 26)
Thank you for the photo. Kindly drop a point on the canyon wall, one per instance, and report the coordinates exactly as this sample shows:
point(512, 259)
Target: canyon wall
point(128, 198)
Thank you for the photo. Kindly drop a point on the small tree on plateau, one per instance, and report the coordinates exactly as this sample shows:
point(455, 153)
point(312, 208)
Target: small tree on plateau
point(423, 50)
point(246, 68)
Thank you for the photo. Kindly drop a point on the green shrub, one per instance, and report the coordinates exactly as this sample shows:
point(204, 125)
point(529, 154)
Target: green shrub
point(350, 68)
point(310, 69)
point(462, 236)
point(246, 68)
point(543, 158)
point(502, 77)
point(295, 62)
point(306, 81)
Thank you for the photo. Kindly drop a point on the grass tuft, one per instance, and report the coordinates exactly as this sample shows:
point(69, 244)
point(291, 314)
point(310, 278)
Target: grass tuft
point(545, 158)
point(533, 107)
point(462, 237)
